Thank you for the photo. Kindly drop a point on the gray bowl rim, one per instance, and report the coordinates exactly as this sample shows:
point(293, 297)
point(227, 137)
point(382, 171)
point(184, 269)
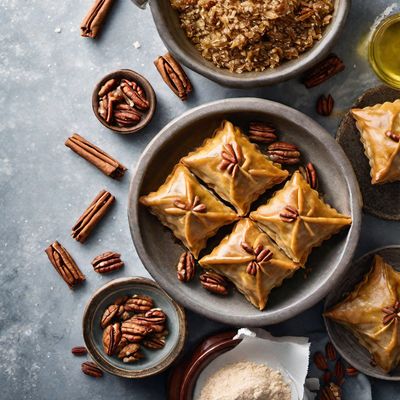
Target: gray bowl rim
point(260, 105)
point(269, 77)
point(336, 343)
point(101, 361)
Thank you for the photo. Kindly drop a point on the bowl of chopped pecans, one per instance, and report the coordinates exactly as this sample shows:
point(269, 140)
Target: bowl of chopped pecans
point(252, 43)
point(124, 101)
point(132, 328)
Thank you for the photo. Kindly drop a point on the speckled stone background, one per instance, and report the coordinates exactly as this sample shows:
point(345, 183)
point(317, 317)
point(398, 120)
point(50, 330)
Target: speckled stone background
point(47, 72)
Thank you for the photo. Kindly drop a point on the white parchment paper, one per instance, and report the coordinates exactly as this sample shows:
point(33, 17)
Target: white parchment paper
point(289, 355)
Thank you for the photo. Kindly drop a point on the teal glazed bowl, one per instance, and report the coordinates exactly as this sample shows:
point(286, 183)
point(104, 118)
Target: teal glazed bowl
point(154, 361)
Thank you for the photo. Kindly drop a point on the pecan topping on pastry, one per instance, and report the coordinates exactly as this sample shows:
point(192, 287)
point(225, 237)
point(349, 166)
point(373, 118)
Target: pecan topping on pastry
point(393, 136)
point(191, 205)
point(391, 313)
point(232, 157)
point(290, 214)
point(261, 256)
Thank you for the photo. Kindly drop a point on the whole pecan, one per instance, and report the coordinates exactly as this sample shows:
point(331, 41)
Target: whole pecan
point(186, 268)
point(289, 214)
point(135, 94)
point(194, 205)
point(91, 369)
point(261, 133)
point(107, 262)
point(283, 153)
point(130, 353)
point(111, 337)
point(261, 255)
point(139, 303)
point(393, 136)
point(79, 351)
point(64, 264)
point(391, 313)
point(173, 75)
point(325, 105)
point(320, 361)
point(214, 283)
point(109, 314)
point(310, 175)
point(232, 158)
point(322, 71)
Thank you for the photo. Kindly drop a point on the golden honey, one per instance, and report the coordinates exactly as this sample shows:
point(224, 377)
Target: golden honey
point(384, 51)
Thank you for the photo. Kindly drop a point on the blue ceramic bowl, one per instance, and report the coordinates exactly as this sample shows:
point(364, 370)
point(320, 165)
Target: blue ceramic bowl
point(154, 361)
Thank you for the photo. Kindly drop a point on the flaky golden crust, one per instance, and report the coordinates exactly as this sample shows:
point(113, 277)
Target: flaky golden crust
point(314, 223)
point(191, 211)
point(362, 313)
point(376, 124)
point(231, 259)
point(240, 186)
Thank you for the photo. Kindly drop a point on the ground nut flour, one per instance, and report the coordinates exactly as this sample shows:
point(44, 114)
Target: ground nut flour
point(246, 381)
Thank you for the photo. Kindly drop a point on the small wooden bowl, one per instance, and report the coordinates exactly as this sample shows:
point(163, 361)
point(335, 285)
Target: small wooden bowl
point(344, 341)
point(146, 86)
point(155, 361)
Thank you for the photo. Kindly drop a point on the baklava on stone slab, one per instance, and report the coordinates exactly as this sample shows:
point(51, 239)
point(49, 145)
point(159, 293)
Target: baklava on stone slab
point(250, 259)
point(191, 211)
point(234, 167)
point(372, 313)
point(379, 127)
point(297, 219)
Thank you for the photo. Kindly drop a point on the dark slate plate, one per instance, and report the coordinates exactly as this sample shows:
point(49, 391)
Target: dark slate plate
point(378, 199)
point(344, 341)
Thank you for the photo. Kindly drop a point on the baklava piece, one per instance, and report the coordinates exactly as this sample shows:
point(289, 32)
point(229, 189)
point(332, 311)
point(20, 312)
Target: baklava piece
point(249, 259)
point(298, 220)
point(372, 313)
point(379, 127)
point(192, 212)
point(234, 167)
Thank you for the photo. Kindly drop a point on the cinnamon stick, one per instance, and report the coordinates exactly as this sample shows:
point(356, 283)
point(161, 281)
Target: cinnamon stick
point(95, 17)
point(92, 216)
point(64, 264)
point(99, 158)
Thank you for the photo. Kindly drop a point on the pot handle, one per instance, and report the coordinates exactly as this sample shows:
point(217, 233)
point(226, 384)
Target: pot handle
point(140, 3)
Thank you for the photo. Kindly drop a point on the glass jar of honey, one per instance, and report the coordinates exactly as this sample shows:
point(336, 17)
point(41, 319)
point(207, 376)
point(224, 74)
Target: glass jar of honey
point(384, 51)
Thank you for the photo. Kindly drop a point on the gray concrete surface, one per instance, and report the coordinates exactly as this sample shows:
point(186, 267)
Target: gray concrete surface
point(47, 72)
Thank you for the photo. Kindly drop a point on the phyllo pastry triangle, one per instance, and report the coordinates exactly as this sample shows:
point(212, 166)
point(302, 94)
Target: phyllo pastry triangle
point(297, 219)
point(379, 127)
point(234, 167)
point(372, 313)
point(250, 259)
point(191, 211)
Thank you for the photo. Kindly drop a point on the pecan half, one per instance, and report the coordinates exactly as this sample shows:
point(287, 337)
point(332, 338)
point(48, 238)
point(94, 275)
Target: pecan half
point(109, 314)
point(111, 337)
point(289, 214)
point(261, 256)
point(320, 361)
point(261, 133)
point(330, 352)
point(64, 264)
point(214, 283)
point(232, 158)
point(92, 216)
point(135, 94)
point(310, 175)
point(154, 343)
point(79, 351)
point(391, 313)
point(186, 268)
point(283, 153)
point(194, 205)
point(139, 303)
point(173, 75)
point(154, 320)
point(130, 353)
point(393, 136)
point(91, 369)
point(127, 117)
point(107, 87)
point(133, 327)
point(107, 262)
point(322, 71)
point(325, 105)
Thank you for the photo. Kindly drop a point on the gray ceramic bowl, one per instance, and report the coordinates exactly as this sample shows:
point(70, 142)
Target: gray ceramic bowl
point(155, 361)
point(174, 38)
point(160, 253)
point(345, 342)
